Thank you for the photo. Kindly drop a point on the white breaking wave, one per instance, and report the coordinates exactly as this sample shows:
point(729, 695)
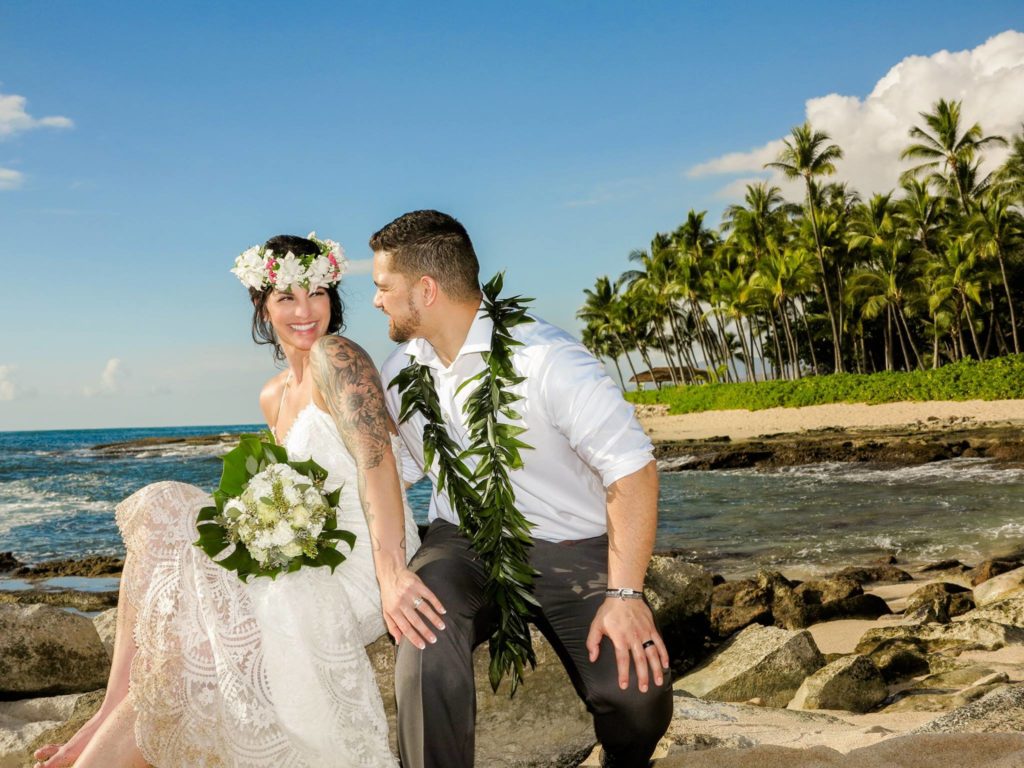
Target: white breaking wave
point(953, 470)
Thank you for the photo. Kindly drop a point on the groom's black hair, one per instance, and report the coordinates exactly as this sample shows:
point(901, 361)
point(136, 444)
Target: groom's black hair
point(262, 330)
point(432, 243)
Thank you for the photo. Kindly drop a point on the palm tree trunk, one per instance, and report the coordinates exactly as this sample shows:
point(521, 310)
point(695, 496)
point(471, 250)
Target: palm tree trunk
point(810, 339)
point(794, 355)
point(660, 333)
point(629, 360)
point(1009, 300)
point(970, 327)
point(836, 345)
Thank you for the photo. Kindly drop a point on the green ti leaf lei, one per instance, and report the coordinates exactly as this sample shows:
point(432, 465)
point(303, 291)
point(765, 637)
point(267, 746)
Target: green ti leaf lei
point(482, 494)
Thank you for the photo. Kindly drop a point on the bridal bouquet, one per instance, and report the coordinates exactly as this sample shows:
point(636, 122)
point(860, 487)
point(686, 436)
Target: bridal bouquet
point(274, 511)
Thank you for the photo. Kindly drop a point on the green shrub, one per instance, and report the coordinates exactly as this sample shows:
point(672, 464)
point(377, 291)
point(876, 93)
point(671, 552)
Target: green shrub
point(1001, 378)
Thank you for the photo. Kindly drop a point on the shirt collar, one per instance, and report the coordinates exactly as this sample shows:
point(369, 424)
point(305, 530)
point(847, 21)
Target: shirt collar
point(478, 339)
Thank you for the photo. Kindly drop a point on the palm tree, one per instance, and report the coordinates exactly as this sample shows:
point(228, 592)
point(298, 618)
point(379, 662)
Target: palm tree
point(1011, 175)
point(999, 231)
point(892, 277)
point(602, 313)
point(808, 154)
point(955, 277)
point(946, 148)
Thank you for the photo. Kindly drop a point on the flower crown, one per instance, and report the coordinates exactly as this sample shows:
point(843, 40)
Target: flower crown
point(260, 268)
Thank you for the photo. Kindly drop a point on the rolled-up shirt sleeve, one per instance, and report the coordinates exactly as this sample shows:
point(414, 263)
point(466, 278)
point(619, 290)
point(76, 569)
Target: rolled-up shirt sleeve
point(587, 407)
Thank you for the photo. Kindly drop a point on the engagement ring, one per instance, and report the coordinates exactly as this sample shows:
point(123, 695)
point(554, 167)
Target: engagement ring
point(416, 603)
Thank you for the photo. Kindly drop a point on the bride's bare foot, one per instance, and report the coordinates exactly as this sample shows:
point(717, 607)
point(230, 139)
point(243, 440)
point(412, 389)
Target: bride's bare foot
point(63, 755)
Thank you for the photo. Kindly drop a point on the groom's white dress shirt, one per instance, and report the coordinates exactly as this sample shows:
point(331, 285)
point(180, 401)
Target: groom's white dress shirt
point(584, 435)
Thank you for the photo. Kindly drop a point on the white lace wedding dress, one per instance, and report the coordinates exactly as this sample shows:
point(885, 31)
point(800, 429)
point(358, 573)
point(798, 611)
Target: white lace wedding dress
point(267, 674)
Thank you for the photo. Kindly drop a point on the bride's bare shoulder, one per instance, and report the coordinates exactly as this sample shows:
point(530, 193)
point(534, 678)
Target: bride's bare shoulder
point(270, 396)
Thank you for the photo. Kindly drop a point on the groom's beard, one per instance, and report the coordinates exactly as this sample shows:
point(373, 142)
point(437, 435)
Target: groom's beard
point(402, 331)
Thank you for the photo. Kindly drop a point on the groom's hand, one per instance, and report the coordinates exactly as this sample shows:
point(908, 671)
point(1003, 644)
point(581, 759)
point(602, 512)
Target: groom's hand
point(408, 605)
point(629, 624)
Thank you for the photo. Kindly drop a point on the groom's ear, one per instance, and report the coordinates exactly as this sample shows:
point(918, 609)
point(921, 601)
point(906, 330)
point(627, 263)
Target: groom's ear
point(430, 290)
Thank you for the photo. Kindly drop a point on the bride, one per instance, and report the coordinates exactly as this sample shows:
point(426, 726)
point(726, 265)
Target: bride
point(210, 671)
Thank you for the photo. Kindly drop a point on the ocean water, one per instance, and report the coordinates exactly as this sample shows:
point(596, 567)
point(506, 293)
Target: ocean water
point(57, 499)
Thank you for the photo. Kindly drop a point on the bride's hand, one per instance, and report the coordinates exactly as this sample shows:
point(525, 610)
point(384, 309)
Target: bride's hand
point(408, 605)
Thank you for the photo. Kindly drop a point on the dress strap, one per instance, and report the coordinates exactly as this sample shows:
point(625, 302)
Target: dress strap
point(280, 403)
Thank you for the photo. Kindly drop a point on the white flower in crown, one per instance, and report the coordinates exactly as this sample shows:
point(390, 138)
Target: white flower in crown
point(258, 268)
point(289, 272)
point(250, 268)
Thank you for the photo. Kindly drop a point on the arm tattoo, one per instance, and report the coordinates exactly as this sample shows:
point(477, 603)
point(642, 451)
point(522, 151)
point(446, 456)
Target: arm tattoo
point(348, 381)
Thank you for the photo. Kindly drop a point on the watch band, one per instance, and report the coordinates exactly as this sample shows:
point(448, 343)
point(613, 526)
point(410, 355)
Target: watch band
point(624, 594)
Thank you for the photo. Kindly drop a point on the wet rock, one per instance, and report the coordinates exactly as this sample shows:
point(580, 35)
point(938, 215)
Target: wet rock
point(942, 598)
point(870, 574)
point(8, 562)
point(899, 658)
point(852, 683)
point(95, 565)
point(680, 593)
point(945, 565)
point(760, 662)
point(45, 650)
point(999, 587)
point(958, 636)
point(87, 602)
point(990, 569)
point(823, 591)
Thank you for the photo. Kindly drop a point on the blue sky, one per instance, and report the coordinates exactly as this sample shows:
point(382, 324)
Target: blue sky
point(561, 134)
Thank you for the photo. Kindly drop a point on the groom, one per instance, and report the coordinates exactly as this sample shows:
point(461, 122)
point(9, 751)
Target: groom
point(588, 487)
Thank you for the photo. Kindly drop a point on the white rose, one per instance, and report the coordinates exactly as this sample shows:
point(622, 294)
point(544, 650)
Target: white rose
point(292, 550)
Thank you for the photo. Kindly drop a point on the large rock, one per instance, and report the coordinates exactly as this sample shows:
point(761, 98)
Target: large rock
point(24, 721)
point(947, 690)
point(852, 683)
point(1009, 584)
point(990, 569)
point(870, 574)
point(561, 732)
point(679, 593)
point(938, 602)
point(44, 650)
point(900, 657)
point(1009, 611)
point(106, 628)
point(967, 635)
point(726, 620)
point(766, 663)
point(1001, 710)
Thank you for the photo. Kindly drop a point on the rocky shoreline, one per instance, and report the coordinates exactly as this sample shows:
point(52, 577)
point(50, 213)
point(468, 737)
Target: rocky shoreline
point(894, 446)
point(858, 668)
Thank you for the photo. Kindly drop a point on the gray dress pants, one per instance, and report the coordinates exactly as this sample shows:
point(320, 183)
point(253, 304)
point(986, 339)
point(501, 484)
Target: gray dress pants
point(435, 687)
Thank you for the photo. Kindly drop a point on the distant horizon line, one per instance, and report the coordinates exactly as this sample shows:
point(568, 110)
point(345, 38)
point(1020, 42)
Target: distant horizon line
point(107, 429)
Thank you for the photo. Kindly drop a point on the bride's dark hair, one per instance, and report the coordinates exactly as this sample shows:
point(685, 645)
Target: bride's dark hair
point(262, 330)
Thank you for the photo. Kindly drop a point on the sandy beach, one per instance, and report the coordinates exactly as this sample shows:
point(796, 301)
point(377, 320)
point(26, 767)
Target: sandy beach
point(743, 425)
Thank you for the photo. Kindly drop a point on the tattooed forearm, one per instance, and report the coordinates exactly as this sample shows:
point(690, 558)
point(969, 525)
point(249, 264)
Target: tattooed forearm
point(348, 381)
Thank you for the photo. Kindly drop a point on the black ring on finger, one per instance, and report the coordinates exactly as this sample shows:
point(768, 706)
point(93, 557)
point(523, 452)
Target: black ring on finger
point(648, 644)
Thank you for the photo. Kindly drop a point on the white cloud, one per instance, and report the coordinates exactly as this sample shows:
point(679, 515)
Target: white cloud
point(360, 267)
point(14, 119)
point(872, 131)
point(110, 380)
point(8, 389)
point(10, 179)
